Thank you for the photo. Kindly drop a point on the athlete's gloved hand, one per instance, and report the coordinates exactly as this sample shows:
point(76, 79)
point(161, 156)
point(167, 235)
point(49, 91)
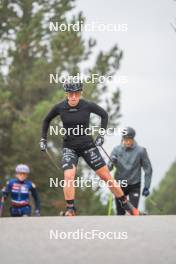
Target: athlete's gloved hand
point(37, 212)
point(43, 144)
point(99, 140)
point(145, 192)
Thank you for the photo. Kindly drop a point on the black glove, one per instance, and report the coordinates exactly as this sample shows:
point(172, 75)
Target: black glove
point(43, 144)
point(99, 140)
point(145, 192)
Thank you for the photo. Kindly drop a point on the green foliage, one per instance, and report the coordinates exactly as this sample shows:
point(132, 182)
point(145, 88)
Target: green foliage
point(162, 200)
point(32, 53)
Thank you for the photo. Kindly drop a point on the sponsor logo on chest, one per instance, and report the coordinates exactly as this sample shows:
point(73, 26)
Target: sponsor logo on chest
point(23, 188)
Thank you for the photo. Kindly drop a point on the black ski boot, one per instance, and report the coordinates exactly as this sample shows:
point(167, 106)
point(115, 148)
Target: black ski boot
point(70, 211)
point(127, 206)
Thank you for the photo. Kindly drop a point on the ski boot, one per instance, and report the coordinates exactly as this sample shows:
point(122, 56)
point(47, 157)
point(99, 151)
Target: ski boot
point(128, 207)
point(70, 211)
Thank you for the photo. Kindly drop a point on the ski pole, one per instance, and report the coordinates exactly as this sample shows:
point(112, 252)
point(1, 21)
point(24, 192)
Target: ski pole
point(108, 155)
point(110, 196)
point(110, 204)
point(110, 200)
point(52, 160)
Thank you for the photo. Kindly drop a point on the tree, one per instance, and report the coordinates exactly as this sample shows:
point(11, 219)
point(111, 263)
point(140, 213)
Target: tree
point(162, 200)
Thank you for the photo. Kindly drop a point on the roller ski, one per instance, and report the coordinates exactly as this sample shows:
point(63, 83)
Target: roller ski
point(70, 211)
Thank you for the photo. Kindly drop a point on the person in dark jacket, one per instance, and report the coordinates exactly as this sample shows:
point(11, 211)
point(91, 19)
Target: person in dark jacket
point(129, 158)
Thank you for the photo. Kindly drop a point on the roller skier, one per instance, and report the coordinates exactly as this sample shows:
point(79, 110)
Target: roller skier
point(128, 159)
point(19, 189)
point(75, 111)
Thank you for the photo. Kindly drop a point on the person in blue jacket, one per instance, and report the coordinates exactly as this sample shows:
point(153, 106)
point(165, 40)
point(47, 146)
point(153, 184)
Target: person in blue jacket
point(20, 189)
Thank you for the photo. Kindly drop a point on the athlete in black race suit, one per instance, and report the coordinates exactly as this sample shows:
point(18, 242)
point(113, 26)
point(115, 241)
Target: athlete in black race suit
point(75, 113)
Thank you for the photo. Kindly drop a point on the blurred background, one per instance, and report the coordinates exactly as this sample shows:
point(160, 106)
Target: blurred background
point(144, 54)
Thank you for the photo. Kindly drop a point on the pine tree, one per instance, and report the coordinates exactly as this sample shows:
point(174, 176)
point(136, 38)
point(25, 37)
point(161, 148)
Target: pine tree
point(162, 199)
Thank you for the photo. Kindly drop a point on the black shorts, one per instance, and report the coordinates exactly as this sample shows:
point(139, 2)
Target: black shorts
point(91, 155)
point(133, 191)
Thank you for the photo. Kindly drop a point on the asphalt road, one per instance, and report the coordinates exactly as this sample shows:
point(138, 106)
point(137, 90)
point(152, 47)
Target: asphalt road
point(88, 239)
